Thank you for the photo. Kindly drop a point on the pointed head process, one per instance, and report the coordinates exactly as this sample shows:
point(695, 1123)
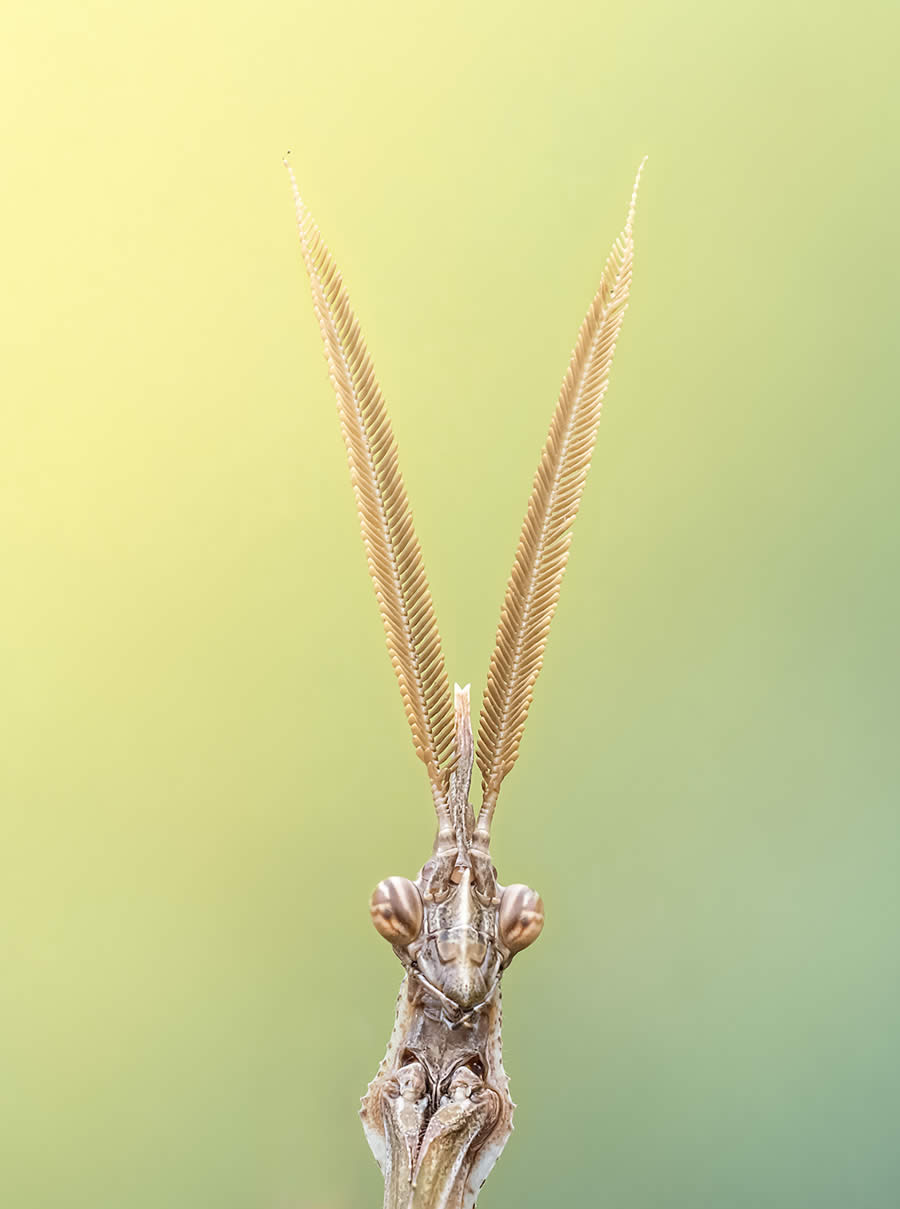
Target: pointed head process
point(438, 1112)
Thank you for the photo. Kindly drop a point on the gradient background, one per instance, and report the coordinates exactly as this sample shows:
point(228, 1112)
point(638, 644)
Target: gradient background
point(205, 764)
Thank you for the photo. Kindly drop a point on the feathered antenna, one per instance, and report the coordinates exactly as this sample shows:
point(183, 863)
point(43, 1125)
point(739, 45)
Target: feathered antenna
point(395, 560)
point(532, 591)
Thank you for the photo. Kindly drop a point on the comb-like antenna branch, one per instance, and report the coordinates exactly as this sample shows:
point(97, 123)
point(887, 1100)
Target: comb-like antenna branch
point(533, 588)
point(392, 549)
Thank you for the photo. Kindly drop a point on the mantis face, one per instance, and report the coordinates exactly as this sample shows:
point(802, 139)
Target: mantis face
point(456, 941)
point(459, 955)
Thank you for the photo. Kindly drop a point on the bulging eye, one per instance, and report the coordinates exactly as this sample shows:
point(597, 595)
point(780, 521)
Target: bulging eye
point(397, 911)
point(521, 917)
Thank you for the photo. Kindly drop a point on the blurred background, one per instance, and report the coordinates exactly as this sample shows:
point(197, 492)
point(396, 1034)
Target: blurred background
point(205, 765)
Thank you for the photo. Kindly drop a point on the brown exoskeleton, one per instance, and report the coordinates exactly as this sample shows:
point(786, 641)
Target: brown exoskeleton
point(438, 1112)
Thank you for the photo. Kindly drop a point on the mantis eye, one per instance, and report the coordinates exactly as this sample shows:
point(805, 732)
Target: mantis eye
point(397, 911)
point(521, 917)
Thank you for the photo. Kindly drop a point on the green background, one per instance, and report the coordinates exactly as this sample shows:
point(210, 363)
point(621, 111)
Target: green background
point(205, 765)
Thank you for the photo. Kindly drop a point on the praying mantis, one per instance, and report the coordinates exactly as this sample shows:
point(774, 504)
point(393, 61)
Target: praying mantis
point(438, 1112)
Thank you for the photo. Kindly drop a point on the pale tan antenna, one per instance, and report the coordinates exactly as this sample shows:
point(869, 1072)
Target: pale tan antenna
point(395, 560)
point(533, 588)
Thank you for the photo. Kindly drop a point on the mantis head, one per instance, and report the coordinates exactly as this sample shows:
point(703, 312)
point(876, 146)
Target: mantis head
point(455, 928)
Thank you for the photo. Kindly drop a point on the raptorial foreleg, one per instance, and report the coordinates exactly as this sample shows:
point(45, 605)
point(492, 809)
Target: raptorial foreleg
point(404, 1111)
point(462, 1122)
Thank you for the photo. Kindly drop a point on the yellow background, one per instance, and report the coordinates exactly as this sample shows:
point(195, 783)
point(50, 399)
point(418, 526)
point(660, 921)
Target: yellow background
point(205, 765)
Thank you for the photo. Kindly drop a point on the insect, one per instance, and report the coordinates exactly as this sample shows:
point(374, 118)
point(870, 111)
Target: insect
point(438, 1112)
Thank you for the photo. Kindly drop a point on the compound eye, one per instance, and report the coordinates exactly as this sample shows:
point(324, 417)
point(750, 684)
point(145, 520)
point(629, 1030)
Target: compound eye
point(521, 917)
point(397, 911)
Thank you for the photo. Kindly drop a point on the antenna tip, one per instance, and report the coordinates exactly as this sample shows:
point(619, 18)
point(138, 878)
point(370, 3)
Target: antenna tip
point(296, 192)
point(634, 192)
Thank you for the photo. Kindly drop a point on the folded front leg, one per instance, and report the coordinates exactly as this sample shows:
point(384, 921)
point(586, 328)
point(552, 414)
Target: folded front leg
point(404, 1111)
point(462, 1122)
